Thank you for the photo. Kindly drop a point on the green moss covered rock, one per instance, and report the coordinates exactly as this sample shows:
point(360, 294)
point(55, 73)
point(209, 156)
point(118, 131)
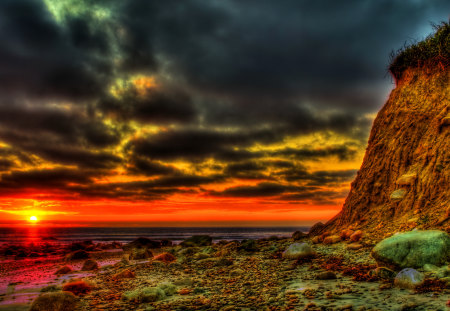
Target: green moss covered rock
point(413, 249)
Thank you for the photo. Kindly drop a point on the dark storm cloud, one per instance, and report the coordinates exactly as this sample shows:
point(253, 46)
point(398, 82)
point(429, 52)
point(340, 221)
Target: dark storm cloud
point(265, 189)
point(321, 50)
point(39, 57)
point(231, 74)
point(54, 178)
point(318, 178)
point(161, 105)
point(343, 152)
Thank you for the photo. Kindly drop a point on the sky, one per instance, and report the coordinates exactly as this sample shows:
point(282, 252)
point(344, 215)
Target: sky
point(219, 111)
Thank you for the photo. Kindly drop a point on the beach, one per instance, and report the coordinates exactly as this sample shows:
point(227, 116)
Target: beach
point(200, 274)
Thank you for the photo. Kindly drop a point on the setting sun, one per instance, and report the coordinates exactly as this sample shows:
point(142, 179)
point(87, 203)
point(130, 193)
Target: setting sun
point(33, 219)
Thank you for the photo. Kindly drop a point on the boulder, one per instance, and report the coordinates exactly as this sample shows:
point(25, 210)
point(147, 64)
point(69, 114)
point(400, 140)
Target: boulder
point(356, 236)
point(78, 255)
point(78, 288)
point(332, 239)
point(64, 270)
point(125, 274)
point(142, 243)
point(345, 234)
point(413, 249)
point(165, 257)
point(298, 250)
point(298, 235)
point(398, 194)
point(140, 253)
point(248, 246)
point(89, 265)
point(56, 301)
point(197, 240)
point(146, 294)
point(409, 278)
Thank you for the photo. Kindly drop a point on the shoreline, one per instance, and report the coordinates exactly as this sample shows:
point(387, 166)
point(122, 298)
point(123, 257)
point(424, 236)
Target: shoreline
point(229, 275)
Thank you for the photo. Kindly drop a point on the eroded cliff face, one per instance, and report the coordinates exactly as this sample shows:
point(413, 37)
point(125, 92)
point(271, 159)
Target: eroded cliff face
point(404, 180)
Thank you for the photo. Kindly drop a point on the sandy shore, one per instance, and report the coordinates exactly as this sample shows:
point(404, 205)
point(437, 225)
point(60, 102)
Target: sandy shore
point(223, 276)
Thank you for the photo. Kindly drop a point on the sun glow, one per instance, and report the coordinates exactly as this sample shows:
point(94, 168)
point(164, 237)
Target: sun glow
point(33, 219)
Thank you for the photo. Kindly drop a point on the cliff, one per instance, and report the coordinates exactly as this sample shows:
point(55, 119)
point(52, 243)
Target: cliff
point(404, 180)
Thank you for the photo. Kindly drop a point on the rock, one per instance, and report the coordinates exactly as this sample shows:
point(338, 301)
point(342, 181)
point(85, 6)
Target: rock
point(57, 301)
point(398, 194)
point(298, 235)
point(140, 253)
point(77, 255)
point(168, 288)
point(89, 265)
point(78, 288)
point(408, 278)
point(85, 245)
point(413, 249)
point(142, 243)
point(316, 239)
point(384, 273)
point(316, 229)
point(332, 239)
point(197, 240)
point(407, 179)
point(345, 234)
point(166, 242)
point(354, 246)
point(298, 250)
point(327, 275)
point(165, 257)
point(184, 291)
point(125, 274)
point(146, 294)
point(64, 270)
point(248, 246)
point(356, 236)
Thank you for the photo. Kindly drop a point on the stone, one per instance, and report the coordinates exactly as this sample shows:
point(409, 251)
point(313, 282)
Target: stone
point(407, 179)
point(398, 194)
point(345, 234)
point(354, 246)
point(197, 240)
point(146, 294)
point(165, 257)
point(77, 255)
point(89, 265)
point(332, 239)
point(140, 253)
point(248, 246)
point(298, 235)
point(384, 273)
point(125, 274)
point(409, 278)
point(413, 249)
point(168, 288)
point(64, 270)
point(57, 301)
point(327, 275)
point(142, 243)
point(298, 250)
point(78, 288)
point(356, 236)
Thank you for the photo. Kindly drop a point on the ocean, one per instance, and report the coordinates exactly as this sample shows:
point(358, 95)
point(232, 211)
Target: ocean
point(37, 234)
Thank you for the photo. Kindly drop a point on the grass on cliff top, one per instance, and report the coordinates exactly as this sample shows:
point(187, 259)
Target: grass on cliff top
point(434, 51)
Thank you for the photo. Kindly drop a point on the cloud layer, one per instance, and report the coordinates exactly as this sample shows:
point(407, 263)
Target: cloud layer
point(145, 101)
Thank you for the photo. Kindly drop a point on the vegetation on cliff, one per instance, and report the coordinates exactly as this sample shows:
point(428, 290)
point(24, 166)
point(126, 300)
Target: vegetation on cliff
point(434, 51)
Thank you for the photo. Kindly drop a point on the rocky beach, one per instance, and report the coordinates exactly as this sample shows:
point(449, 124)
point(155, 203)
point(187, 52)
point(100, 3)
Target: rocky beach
point(325, 272)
